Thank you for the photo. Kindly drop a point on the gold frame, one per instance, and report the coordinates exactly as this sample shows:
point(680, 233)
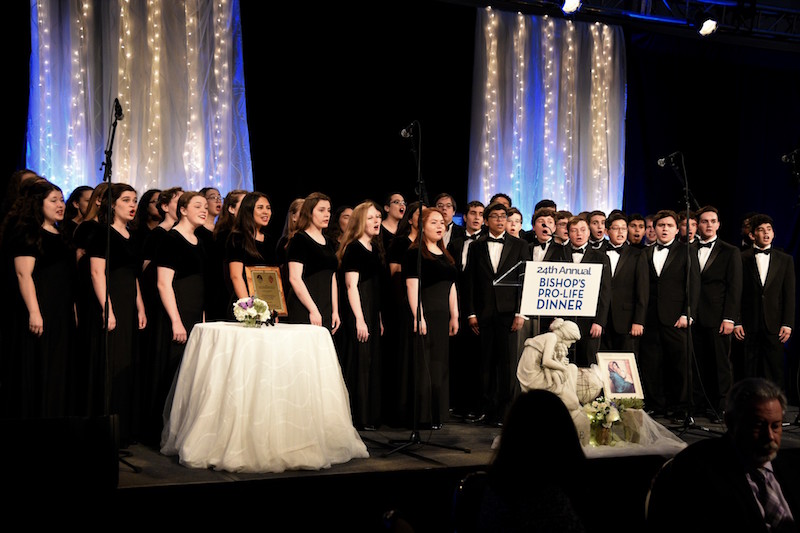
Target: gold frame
point(276, 302)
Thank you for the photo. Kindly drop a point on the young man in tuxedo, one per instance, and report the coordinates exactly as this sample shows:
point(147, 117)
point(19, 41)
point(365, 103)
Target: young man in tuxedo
point(719, 305)
point(542, 246)
point(464, 379)
point(591, 327)
point(692, 226)
point(561, 234)
point(630, 289)
point(445, 203)
point(737, 482)
point(649, 231)
point(664, 350)
point(768, 297)
point(493, 311)
point(597, 229)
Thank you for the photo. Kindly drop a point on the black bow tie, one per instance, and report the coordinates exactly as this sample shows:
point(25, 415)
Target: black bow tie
point(618, 249)
point(501, 240)
point(473, 236)
point(760, 251)
point(578, 250)
point(705, 244)
point(542, 245)
point(660, 246)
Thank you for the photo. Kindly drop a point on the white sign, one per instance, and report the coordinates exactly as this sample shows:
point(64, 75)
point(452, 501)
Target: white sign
point(561, 289)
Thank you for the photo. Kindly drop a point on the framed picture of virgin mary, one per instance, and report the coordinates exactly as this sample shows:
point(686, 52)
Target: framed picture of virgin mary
point(620, 375)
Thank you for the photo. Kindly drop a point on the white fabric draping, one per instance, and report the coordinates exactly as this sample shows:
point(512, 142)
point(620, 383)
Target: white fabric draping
point(260, 400)
point(176, 67)
point(548, 112)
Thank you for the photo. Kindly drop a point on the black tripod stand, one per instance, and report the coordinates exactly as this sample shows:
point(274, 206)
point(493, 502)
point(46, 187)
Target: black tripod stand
point(420, 357)
point(688, 422)
point(106, 166)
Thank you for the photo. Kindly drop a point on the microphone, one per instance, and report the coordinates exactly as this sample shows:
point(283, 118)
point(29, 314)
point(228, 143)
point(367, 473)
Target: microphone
point(118, 110)
point(791, 156)
point(664, 160)
point(408, 131)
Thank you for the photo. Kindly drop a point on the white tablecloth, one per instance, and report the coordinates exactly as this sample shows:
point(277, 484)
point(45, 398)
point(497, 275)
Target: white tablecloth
point(260, 400)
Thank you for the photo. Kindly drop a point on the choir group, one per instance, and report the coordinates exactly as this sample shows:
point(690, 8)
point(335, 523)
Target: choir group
point(104, 290)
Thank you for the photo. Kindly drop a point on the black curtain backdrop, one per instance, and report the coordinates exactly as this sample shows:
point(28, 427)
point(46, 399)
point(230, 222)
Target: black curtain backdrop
point(329, 87)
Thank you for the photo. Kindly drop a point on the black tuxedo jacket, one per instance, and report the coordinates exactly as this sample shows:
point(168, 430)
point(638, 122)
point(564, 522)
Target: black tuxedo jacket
point(772, 305)
point(668, 292)
point(592, 255)
point(553, 253)
point(704, 488)
point(630, 289)
point(483, 299)
point(456, 246)
point(720, 286)
point(457, 235)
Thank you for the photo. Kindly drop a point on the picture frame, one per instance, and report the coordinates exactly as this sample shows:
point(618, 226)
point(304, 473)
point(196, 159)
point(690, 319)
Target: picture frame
point(266, 283)
point(620, 375)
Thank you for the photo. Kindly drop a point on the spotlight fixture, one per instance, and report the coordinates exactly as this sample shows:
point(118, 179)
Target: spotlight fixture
point(708, 27)
point(571, 6)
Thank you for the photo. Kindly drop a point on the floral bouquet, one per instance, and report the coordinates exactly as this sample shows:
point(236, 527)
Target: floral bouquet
point(252, 312)
point(602, 415)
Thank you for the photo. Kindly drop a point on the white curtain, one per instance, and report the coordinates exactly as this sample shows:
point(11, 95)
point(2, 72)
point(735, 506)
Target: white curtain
point(548, 113)
point(176, 68)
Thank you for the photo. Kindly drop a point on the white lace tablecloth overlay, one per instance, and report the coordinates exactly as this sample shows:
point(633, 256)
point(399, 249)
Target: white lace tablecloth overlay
point(260, 400)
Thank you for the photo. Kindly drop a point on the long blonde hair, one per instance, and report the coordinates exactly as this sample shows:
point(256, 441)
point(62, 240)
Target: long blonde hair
point(355, 229)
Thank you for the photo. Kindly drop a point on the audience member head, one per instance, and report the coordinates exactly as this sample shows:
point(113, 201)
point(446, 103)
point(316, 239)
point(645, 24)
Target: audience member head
point(513, 221)
point(761, 230)
point(501, 197)
point(754, 415)
point(495, 216)
point(473, 220)
point(635, 228)
point(447, 205)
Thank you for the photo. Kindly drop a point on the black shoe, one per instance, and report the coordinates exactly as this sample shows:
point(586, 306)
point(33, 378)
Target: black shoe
point(680, 417)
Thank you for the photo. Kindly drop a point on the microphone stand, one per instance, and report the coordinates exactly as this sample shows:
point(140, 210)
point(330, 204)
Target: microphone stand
point(691, 361)
point(106, 167)
point(418, 350)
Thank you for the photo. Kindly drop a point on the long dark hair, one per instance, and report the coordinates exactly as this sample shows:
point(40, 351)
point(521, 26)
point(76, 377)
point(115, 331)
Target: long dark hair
point(142, 215)
point(75, 197)
point(245, 224)
point(310, 202)
point(27, 214)
point(334, 230)
point(404, 226)
point(117, 189)
point(226, 219)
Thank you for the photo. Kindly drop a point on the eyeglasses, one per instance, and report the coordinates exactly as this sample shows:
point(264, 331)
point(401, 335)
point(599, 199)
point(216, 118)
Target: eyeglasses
point(214, 198)
point(398, 202)
point(444, 206)
point(498, 217)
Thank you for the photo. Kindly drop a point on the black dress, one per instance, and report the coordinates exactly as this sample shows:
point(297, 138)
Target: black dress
point(319, 265)
point(361, 360)
point(396, 358)
point(431, 356)
point(123, 341)
point(187, 261)
point(214, 282)
point(86, 369)
point(235, 252)
point(35, 374)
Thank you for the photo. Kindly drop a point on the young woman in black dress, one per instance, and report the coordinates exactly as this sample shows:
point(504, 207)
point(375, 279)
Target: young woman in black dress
point(216, 275)
point(438, 318)
point(126, 314)
point(37, 339)
point(338, 225)
point(361, 257)
point(148, 216)
point(313, 298)
point(180, 262)
point(77, 207)
point(249, 244)
point(289, 229)
point(394, 208)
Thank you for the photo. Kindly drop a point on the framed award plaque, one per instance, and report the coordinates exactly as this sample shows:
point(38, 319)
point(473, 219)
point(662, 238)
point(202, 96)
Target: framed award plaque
point(265, 282)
